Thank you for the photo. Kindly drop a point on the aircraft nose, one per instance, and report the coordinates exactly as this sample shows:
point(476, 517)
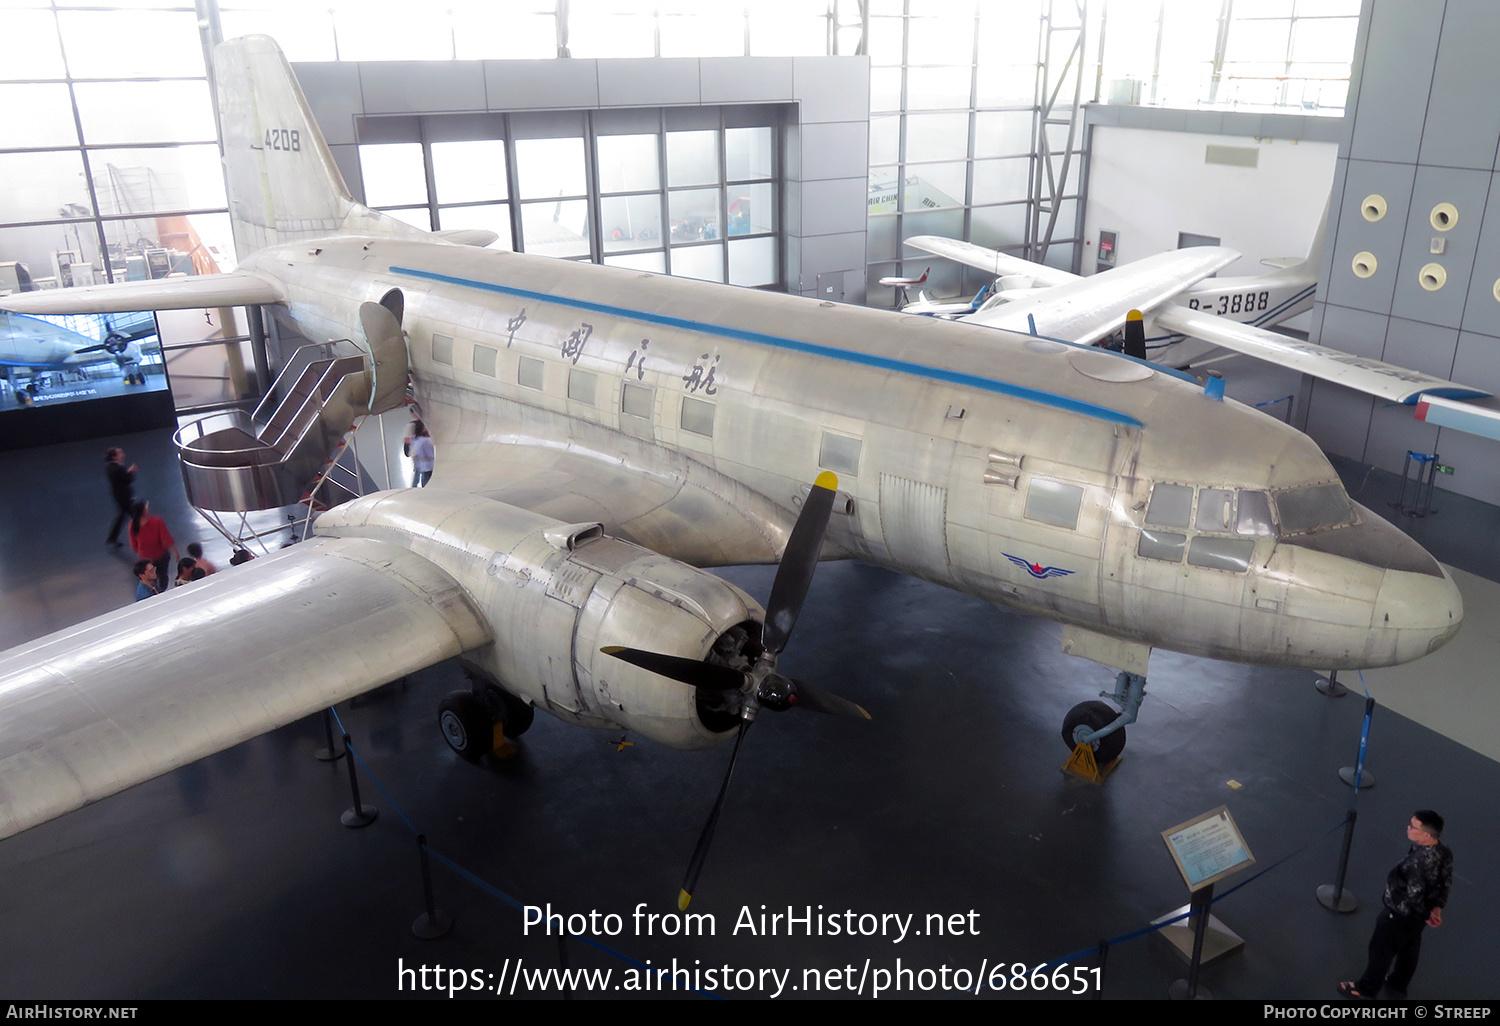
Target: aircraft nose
point(1416, 605)
point(1422, 611)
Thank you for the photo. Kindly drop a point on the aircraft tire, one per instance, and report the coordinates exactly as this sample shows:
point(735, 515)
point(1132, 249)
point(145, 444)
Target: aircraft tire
point(518, 715)
point(1095, 715)
point(465, 725)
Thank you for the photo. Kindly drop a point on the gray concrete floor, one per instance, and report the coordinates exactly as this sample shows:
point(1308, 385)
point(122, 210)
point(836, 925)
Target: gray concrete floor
point(233, 877)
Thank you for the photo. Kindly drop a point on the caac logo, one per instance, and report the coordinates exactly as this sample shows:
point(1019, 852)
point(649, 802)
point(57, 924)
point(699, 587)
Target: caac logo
point(1041, 573)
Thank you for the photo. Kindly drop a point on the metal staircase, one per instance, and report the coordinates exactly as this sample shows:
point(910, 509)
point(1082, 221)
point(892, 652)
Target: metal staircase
point(290, 449)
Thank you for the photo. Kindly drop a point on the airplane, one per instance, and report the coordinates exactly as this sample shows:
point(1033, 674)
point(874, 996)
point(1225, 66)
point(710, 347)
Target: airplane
point(1050, 302)
point(604, 434)
point(1258, 300)
point(1227, 313)
point(32, 344)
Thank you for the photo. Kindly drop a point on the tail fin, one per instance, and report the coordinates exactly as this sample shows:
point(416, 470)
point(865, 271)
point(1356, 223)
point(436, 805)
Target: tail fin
point(282, 180)
point(1310, 266)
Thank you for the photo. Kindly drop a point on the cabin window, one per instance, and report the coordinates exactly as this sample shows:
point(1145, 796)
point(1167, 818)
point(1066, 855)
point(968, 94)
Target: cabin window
point(1232, 554)
point(484, 360)
point(840, 454)
point(1255, 515)
point(697, 416)
point(1310, 509)
point(1162, 545)
point(531, 373)
point(1053, 502)
point(637, 400)
point(1215, 510)
point(442, 349)
point(581, 385)
point(1171, 505)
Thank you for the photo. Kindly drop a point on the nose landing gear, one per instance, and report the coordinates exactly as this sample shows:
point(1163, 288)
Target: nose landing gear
point(1096, 733)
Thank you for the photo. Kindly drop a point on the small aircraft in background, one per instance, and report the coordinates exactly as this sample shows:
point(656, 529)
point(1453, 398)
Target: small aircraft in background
point(1260, 301)
point(1187, 315)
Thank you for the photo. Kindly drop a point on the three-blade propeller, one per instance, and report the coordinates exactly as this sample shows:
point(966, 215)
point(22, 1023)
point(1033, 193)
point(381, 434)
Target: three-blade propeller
point(760, 685)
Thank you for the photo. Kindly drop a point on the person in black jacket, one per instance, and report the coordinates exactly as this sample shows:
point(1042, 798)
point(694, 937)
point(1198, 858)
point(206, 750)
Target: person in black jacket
point(121, 489)
point(1415, 893)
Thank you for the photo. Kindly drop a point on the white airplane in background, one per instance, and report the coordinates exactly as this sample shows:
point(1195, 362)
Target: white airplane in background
point(1258, 300)
point(604, 433)
point(1198, 314)
point(32, 344)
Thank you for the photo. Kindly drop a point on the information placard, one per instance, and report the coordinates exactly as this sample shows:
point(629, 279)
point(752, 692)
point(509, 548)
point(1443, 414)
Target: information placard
point(1207, 848)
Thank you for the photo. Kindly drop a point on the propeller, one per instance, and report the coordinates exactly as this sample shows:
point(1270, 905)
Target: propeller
point(1135, 335)
point(115, 344)
point(760, 686)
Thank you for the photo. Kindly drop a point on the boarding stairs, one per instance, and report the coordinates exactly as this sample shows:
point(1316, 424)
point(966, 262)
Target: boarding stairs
point(295, 448)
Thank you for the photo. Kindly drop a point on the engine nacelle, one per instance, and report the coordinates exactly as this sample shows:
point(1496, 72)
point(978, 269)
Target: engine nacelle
point(555, 594)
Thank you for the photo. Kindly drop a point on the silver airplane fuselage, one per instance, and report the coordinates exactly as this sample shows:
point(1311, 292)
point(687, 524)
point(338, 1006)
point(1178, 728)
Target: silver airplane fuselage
point(1059, 480)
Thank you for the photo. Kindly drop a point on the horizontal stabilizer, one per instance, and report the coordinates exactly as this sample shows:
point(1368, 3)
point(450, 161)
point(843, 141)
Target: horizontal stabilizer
point(236, 288)
point(1373, 377)
point(122, 698)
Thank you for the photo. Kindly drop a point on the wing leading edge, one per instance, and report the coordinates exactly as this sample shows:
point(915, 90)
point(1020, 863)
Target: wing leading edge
point(234, 288)
point(1382, 380)
point(122, 698)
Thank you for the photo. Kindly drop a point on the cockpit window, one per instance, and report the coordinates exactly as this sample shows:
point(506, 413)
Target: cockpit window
point(1171, 505)
point(1232, 554)
point(1255, 515)
point(1215, 509)
point(1314, 508)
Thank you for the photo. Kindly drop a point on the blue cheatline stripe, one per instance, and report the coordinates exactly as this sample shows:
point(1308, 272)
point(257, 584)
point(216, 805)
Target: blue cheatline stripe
point(1060, 402)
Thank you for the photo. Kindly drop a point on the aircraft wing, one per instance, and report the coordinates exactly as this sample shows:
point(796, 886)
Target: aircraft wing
point(1086, 310)
point(192, 292)
point(122, 698)
point(989, 260)
point(1383, 380)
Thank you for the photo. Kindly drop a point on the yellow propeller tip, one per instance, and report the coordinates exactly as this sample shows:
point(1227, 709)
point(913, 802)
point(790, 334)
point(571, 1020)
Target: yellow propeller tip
point(828, 479)
point(683, 897)
point(1134, 315)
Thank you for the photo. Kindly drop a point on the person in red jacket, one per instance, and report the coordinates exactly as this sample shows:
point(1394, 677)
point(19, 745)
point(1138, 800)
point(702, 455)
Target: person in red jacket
point(150, 539)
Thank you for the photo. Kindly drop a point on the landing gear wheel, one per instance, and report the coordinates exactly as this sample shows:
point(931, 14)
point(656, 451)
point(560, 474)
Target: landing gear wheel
point(518, 715)
point(1095, 715)
point(466, 725)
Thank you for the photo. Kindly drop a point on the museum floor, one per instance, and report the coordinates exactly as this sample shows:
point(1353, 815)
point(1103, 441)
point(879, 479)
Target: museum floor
point(233, 877)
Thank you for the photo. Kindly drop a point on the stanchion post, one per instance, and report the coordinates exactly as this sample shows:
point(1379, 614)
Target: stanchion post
point(357, 815)
point(1188, 989)
point(433, 923)
point(327, 753)
point(1357, 776)
point(1333, 896)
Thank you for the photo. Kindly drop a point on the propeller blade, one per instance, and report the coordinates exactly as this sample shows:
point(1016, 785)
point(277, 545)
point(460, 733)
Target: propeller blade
point(794, 575)
point(700, 853)
point(1135, 335)
point(692, 672)
point(805, 696)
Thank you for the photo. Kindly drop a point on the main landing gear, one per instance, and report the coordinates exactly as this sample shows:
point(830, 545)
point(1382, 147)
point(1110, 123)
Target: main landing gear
point(1099, 728)
point(477, 722)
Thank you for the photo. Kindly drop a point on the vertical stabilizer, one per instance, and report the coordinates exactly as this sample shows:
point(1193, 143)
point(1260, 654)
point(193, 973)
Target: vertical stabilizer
point(282, 181)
